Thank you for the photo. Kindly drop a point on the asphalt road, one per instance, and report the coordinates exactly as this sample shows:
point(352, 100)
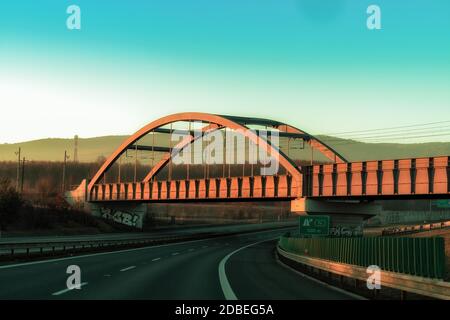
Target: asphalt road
point(189, 270)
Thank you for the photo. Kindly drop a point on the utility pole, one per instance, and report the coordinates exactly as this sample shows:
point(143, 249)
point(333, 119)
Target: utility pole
point(120, 160)
point(170, 154)
point(191, 136)
point(75, 149)
point(23, 174)
point(18, 170)
point(63, 187)
point(135, 162)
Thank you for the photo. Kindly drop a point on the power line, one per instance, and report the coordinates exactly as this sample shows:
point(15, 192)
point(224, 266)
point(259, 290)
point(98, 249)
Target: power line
point(341, 142)
point(394, 136)
point(397, 132)
point(423, 136)
point(386, 128)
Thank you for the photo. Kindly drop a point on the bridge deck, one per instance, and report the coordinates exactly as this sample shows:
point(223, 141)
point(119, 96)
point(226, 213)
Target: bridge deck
point(416, 178)
point(407, 178)
point(276, 187)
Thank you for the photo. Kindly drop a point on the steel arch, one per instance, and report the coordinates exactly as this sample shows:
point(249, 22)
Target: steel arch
point(315, 143)
point(217, 121)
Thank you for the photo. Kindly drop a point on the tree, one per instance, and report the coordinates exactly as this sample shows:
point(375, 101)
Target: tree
point(10, 202)
point(100, 159)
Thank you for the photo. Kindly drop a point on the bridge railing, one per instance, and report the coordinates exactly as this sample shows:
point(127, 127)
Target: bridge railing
point(420, 176)
point(282, 186)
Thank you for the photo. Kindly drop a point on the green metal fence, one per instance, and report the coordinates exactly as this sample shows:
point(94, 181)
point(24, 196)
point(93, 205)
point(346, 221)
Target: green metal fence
point(423, 257)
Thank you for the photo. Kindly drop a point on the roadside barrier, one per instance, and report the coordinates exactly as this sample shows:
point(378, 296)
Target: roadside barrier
point(424, 257)
point(416, 228)
point(11, 251)
point(433, 288)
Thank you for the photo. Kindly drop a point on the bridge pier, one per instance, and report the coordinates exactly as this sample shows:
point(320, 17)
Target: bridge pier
point(78, 198)
point(346, 217)
point(130, 214)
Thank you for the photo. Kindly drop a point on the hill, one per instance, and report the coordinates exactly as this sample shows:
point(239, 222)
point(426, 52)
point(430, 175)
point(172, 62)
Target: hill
point(91, 149)
point(360, 151)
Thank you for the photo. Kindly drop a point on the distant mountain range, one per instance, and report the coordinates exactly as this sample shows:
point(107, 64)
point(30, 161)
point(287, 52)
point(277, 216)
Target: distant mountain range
point(90, 149)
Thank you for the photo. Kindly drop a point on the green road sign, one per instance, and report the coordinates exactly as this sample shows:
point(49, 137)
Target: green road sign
point(314, 225)
point(442, 204)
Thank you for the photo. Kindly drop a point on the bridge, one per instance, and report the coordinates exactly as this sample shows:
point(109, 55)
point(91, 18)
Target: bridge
point(206, 157)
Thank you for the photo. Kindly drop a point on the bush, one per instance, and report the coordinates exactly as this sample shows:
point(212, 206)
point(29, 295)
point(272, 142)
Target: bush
point(10, 202)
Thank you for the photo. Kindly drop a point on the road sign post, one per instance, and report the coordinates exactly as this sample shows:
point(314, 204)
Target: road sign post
point(314, 225)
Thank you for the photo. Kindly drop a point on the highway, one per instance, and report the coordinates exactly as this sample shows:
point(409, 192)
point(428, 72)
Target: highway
point(189, 270)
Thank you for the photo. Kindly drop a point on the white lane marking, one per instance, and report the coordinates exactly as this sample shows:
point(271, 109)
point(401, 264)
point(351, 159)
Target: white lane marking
point(175, 253)
point(156, 259)
point(190, 250)
point(128, 250)
point(107, 275)
point(58, 293)
point(329, 286)
point(128, 268)
point(224, 283)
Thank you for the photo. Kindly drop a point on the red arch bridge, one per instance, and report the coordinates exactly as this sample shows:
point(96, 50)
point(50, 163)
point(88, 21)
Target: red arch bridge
point(198, 157)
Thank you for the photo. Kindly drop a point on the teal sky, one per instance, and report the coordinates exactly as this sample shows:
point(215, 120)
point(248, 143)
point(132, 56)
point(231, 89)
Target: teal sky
point(311, 63)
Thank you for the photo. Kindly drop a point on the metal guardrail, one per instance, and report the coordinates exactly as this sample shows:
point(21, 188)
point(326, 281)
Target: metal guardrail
point(12, 250)
point(424, 286)
point(424, 257)
point(415, 228)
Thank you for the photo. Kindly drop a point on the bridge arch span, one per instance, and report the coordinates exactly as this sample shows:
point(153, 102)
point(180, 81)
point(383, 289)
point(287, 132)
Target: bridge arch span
point(218, 122)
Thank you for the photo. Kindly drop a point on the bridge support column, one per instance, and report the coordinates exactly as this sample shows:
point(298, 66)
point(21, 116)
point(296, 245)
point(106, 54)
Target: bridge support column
point(132, 215)
point(346, 217)
point(77, 198)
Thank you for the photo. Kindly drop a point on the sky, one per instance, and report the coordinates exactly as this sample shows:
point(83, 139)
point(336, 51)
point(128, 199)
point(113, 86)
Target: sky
point(311, 63)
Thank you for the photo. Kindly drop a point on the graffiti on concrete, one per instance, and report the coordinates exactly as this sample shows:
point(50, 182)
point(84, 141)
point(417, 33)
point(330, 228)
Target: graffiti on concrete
point(346, 231)
point(127, 218)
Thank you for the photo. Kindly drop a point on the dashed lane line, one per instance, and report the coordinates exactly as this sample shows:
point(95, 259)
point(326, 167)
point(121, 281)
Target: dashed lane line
point(128, 268)
point(58, 293)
